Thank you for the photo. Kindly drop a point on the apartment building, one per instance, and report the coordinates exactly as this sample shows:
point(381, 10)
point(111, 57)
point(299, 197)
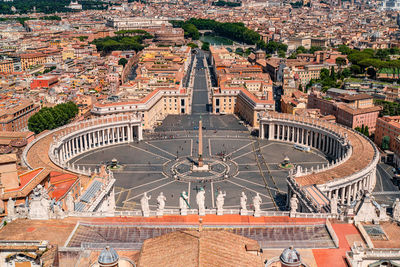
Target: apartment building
point(32, 59)
point(350, 110)
point(243, 88)
point(6, 66)
point(157, 90)
point(389, 126)
point(15, 117)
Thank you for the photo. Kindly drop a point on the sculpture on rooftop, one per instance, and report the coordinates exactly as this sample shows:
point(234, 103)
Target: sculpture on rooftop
point(220, 202)
point(183, 203)
point(39, 205)
point(243, 203)
point(334, 204)
point(11, 208)
point(69, 202)
point(257, 203)
point(294, 204)
point(144, 202)
point(396, 210)
point(200, 199)
point(161, 204)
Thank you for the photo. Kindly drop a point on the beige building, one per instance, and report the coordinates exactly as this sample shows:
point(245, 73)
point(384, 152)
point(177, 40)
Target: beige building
point(158, 88)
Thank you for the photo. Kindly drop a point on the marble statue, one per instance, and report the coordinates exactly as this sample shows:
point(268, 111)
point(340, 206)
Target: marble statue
point(39, 206)
point(183, 203)
point(58, 213)
point(161, 204)
point(294, 204)
point(382, 213)
point(144, 202)
point(11, 208)
point(396, 210)
point(256, 203)
point(69, 202)
point(200, 199)
point(220, 202)
point(334, 205)
point(243, 203)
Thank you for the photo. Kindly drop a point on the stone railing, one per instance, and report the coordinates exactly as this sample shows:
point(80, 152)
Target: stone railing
point(332, 233)
point(138, 213)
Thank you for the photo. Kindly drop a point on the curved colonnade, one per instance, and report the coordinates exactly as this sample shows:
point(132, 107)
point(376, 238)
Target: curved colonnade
point(71, 140)
point(352, 169)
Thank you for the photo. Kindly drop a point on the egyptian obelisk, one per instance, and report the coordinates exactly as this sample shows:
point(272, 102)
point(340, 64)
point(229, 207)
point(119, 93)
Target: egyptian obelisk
point(200, 162)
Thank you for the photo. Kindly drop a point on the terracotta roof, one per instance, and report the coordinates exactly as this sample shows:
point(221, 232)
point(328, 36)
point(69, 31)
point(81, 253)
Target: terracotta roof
point(358, 111)
point(194, 248)
point(356, 97)
point(28, 181)
point(60, 184)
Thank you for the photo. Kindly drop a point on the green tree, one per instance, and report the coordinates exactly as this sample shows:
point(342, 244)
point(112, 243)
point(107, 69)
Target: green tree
point(192, 45)
point(51, 118)
point(206, 46)
point(122, 61)
point(366, 131)
point(281, 54)
point(382, 54)
point(191, 31)
point(333, 74)
point(324, 74)
point(344, 49)
point(346, 73)
point(355, 69)
point(340, 61)
point(301, 50)
point(385, 142)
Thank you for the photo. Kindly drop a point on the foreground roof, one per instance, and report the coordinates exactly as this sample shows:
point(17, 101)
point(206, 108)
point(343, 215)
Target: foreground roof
point(199, 248)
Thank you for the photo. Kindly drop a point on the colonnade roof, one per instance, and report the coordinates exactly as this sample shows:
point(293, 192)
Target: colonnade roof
point(361, 157)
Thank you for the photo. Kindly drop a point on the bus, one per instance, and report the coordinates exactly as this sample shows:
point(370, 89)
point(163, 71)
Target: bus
point(301, 147)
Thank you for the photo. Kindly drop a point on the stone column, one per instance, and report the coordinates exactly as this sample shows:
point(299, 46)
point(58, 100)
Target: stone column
point(129, 132)
point(348, 194)
point(124, 134)
point(262, 130)
point(86, 136)
point(102, 136)
point(90, 140)
point(140, 132)
point(285, 132)
point(61, 154)
point(80, 143)
point(74, 146)
point(343, 191)
point(68, 149)
point(291, 134)
point(271, 131)
point(279, 132)
point(315, 139)
point(119, 134)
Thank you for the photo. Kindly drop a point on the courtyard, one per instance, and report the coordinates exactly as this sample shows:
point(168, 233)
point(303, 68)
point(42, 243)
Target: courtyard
point(251, 165)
